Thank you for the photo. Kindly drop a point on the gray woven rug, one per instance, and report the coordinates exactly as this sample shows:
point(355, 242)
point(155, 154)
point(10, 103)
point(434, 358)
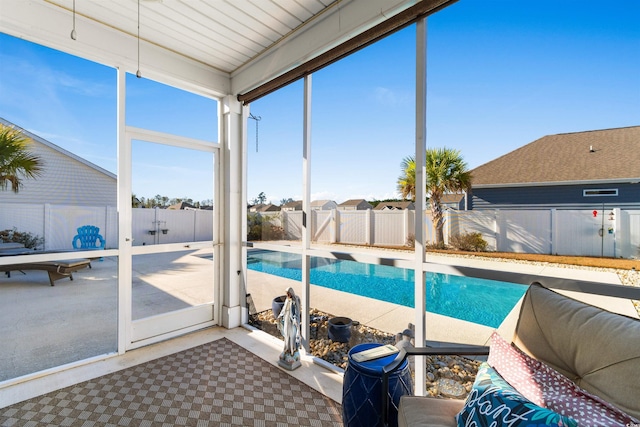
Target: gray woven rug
point(216, 384)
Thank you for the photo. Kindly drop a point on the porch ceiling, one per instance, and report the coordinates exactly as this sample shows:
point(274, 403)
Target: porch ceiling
point(218, 47)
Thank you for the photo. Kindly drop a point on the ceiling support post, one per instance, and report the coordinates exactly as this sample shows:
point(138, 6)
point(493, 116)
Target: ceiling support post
point(421, 185)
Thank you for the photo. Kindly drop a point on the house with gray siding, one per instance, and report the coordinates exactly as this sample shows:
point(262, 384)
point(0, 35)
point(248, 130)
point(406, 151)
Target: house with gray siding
point(355, 205)
point(580, 169)
point(395, 206)
point(181, 206)
point(454, 201)
point(264, 208)
point(323, 205)
point(66, 178)
point(295, 205)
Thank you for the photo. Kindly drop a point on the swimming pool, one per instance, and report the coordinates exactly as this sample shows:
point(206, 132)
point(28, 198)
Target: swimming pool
point(481, 301)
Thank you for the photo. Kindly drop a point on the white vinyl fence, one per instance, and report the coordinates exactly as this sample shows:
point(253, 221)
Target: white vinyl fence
point(58, 224)
point(610, 232)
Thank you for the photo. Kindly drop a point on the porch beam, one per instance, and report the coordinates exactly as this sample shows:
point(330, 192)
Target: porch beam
point(47, 24)
point(400, 20)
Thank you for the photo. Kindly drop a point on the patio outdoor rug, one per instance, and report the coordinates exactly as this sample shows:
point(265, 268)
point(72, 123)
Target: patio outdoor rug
point(216, 384)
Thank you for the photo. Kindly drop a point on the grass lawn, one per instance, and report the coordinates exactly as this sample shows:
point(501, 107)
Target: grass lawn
point(617, 263)
point(585, 261)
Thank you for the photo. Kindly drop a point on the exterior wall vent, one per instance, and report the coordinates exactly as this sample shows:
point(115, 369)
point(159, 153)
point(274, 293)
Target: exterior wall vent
point(600, 192)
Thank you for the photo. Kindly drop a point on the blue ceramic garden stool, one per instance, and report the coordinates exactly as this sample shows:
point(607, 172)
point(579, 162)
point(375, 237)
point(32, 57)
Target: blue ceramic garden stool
point(362, 389)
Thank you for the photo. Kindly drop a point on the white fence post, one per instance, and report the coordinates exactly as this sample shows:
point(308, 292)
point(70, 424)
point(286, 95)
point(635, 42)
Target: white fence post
point(446, 229)
point(285, 223)
point(333, 234)
point(554, 231)
point(46, 225)
point(496, 228)
point(617, 246)
point(405, 224)
point(368, 222)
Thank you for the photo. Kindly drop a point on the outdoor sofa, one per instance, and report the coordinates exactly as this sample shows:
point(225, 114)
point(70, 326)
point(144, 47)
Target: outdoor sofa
point(565, 355)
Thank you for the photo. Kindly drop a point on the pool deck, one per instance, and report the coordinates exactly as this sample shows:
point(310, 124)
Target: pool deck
point(393, 318)
point(42, 313)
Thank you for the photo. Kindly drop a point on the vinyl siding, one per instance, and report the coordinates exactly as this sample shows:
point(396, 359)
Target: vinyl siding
point(550, 196)
point(64, 181)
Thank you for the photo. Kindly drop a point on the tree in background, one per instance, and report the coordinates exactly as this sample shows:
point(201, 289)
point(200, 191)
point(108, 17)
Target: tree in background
point(285, 201)
point(407, 181)
point(446, 172)
point(136, 203)
point(260, 200)
point(16, 161)
point(164, 202)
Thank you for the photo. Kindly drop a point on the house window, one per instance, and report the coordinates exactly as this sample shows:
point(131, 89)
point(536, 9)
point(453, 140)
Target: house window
point(600, 192)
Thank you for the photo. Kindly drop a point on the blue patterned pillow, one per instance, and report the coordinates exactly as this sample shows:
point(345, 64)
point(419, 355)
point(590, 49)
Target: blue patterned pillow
point(493, 402)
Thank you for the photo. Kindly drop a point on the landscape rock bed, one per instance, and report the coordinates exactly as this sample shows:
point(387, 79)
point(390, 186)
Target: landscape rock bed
point(443, 372)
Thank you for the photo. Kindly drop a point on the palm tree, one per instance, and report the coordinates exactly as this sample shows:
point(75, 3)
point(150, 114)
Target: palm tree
point(135, 202)
point(446, 173)
point(261, 199)
point(407, 181)
point(16, 162)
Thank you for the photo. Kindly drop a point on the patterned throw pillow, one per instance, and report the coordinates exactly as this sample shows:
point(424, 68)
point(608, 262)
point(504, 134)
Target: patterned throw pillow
point(493, 402)
point(547, 387)
point(516, 368)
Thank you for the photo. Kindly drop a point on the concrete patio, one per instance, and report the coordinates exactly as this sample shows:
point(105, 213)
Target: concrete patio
point(76, 320)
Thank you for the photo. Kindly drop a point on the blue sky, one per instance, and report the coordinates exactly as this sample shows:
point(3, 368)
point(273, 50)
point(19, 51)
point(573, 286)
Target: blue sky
point(501, 74)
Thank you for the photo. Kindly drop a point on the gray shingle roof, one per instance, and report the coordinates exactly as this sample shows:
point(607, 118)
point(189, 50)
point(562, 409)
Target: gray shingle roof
point(315, 203)
point(394, 205)
point(607, 154)
point(352, 202)
point(296, 204)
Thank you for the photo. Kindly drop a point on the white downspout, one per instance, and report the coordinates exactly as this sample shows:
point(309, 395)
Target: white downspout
point(305, 299)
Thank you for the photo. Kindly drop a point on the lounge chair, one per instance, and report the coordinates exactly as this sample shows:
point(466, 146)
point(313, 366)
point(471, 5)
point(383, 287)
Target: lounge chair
point(88, 238)
point(56, 269)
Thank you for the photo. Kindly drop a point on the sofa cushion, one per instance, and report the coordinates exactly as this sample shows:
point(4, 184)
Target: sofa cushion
point(428, 411)
point(492, 401)
point(565, 397)
point(516, 368)
point(598, 350)
point(548, 388)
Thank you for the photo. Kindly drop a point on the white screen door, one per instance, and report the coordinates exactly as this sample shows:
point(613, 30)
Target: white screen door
point(169, 234)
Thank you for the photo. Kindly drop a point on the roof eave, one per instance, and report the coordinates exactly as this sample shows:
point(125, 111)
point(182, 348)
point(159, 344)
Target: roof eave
point(59, 149)
point(630, 180)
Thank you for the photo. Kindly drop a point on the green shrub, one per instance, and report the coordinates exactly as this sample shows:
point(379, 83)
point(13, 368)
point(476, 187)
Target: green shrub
point(272, 232)
point(30, 241)
point(435, 246)
point(254, 227)
point(411, 241)
point(470, 242)
point(259, 228)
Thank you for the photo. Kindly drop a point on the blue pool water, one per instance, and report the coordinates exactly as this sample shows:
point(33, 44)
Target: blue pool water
point(486, 302)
